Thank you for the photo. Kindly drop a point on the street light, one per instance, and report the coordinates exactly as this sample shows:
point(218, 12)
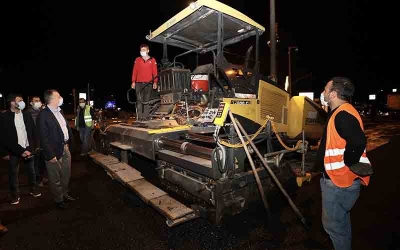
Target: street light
point(290, 67)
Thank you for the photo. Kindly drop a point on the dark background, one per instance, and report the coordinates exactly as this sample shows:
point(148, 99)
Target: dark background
point(65, 45)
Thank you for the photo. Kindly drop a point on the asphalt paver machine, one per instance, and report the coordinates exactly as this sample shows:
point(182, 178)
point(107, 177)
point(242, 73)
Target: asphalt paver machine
point(198, 153)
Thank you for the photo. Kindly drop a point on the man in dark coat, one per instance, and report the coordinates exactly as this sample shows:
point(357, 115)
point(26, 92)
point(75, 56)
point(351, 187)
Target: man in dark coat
point(19, 142)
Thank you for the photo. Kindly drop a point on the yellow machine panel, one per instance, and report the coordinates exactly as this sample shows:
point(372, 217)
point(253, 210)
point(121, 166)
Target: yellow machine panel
point(305, 113)
point(271, 101)
point(244, 107)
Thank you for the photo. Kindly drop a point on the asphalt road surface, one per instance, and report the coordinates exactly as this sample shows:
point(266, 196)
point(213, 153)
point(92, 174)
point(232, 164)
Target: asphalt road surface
point(108, 216)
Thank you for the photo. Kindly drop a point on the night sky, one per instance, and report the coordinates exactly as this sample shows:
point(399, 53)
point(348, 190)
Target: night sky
point(63, 45)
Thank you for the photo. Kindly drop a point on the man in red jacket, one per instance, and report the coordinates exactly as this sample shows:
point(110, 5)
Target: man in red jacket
point(143, 79)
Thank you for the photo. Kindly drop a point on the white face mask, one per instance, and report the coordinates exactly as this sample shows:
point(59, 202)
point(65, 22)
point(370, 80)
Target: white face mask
point(60, 102)
point(323, 102)
point(82, 105)
point(21, 105)
point(143, 53)
point(36, 105)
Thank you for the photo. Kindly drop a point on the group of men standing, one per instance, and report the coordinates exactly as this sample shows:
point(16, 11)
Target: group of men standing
point(40, 138)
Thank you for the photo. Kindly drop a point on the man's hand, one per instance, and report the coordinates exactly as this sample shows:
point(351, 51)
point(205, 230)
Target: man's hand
point(133, 85)
point(6, 158)
point(154, 85)
point(54, 160)
point(26, 153)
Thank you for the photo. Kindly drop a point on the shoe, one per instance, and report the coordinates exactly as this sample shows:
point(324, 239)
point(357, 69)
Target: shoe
point(68, 198)
point(3, 229)
point(61, 205)
point(35, 193)
point(14, 200)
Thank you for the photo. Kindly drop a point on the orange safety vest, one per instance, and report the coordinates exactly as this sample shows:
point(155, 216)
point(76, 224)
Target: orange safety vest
point(334, 164)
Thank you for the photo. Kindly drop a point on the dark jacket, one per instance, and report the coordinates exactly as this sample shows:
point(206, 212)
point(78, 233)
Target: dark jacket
point(3, 150)
point(51, 134)
point(10, 133)
point(34, 113)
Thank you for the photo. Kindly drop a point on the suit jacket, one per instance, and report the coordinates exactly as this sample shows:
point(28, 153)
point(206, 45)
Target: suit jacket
point(51, 135)
point(10, 133)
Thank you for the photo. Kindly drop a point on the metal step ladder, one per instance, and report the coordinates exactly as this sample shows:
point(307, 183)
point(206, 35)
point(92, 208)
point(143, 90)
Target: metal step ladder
point(174, 211)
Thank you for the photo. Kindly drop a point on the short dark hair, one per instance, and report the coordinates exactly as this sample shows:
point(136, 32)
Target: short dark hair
point(11, 97)
point(35, 96)
point(343, 87)
point(143, 45)
point(48, 94)
point(82, 99)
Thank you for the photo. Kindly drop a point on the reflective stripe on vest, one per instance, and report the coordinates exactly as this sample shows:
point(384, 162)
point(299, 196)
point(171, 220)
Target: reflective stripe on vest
point(88, 117)
point(335, 167)
point(335, 158)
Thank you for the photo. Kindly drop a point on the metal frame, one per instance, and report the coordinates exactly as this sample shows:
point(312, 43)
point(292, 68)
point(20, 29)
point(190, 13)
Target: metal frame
point(191, 22)
point(219, 44)
point(203, 9)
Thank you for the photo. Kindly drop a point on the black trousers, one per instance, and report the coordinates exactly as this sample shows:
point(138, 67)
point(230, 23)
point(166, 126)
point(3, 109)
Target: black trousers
point(40, 166)
point(143, 92)
point(13, 171)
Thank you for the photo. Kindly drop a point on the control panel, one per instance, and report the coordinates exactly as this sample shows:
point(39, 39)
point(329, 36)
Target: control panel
point(222, 113)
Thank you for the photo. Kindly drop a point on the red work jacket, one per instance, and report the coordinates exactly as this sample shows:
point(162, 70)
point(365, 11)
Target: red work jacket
point(144, 70)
